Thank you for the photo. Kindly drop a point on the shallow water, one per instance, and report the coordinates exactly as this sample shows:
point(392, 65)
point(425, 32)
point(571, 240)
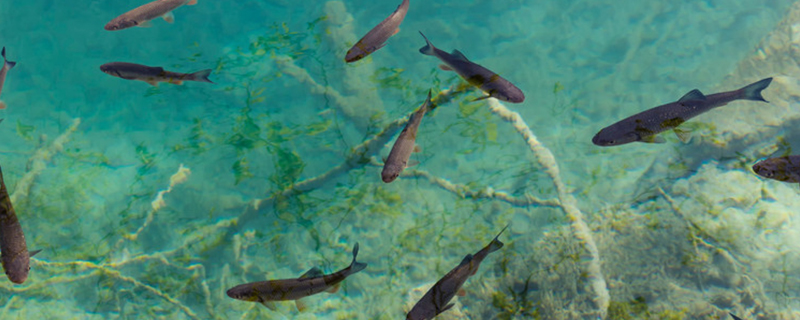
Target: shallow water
point(682, 231)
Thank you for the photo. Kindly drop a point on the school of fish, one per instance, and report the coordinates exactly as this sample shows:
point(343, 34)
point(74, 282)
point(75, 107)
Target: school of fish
point(643, 127)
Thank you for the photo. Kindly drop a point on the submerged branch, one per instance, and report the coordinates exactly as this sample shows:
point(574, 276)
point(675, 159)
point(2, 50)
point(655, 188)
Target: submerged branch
point(38, 162)
point(568, 203)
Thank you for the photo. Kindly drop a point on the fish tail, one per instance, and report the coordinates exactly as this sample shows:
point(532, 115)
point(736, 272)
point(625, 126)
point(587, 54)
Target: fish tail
point(428, 48)
point(753, 91)
point(201, 75)
point(496, 243)
point(10, 64)
point(356, 266)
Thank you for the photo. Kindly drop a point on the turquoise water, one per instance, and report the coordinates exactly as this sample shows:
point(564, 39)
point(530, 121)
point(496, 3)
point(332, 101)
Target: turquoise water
point(682, 231)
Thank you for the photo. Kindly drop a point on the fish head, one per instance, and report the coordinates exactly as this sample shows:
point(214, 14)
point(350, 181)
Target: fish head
point(609, 137)
point(389, 175)
point(120, 23)
point(243, 295)
point(513, 95)
point(775, 168)
point(19, 273)
point(354, 54)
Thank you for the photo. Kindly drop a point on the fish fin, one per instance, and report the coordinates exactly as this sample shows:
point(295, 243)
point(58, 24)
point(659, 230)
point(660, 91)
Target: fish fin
point(191, 3)
point(416, 148)
point(411, 163)
point(146, 24)
point(269, 304)
point(734, 317)
point(33, 253)
point(396, 31)
point(753, 91)
point(152, 82)
point(334, 288)
point(201, 76)
point(445, 67)
point(428, 49)
point(10, 64)
point(313, 273)
point(1, 121)
point(301, 305)
point(169, 17)
point(356, 266)
point(466, 259)
point(496, 244)
point(653, 139)
point(458, 55)
point(461, 292)
point(684, 135)
point(692, 95)
point(447, 307)
point(3, 105)
point(481, 98)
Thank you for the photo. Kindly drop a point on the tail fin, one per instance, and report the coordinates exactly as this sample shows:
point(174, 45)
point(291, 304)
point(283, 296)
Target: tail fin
point(753, 91)
point(497, 244)
point(202, 75)
point(428, 49)
point(10, 64)
point(356, 266)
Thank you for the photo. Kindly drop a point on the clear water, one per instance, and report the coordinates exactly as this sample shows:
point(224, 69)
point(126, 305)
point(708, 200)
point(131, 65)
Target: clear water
point(726, 242)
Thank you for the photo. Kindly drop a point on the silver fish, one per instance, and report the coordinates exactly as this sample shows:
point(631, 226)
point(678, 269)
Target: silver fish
point(152, 75)
point(310, 283)
point(405, 144)
point(141, 16)
point(13, 250)
point(645, 126)
point(437, 299)
point(488, 81)
point(7, 65)
point(376, 38)
point(786, 169)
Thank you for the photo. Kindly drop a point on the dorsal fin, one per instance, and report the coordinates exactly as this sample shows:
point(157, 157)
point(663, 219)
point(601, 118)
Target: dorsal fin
point(467, 259)
point(693, 95)
point(458, 55)
point(313, 273)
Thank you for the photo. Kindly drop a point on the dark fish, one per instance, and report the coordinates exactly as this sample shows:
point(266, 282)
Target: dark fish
point(13, 250)
point(488, 81)
point(141, 16)
point(152, 75)
point(734, 317)
point(310, 283)
point(405, 144)
point(376, 38)
point(7, 65)
point(436, 300)
point(786, 169)
point(645, 126)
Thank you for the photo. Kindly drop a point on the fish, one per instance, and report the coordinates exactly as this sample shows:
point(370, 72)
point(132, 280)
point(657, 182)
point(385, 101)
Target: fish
point(786, 169)
point(7, 65)
point(152, 75)
point(734, 317)
point(405, 144)
point(377, 37)
point(645, 126)
point(435, 301)
point(141, 16)
point(310, 283)
point(491, 83)
point(13, 250)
